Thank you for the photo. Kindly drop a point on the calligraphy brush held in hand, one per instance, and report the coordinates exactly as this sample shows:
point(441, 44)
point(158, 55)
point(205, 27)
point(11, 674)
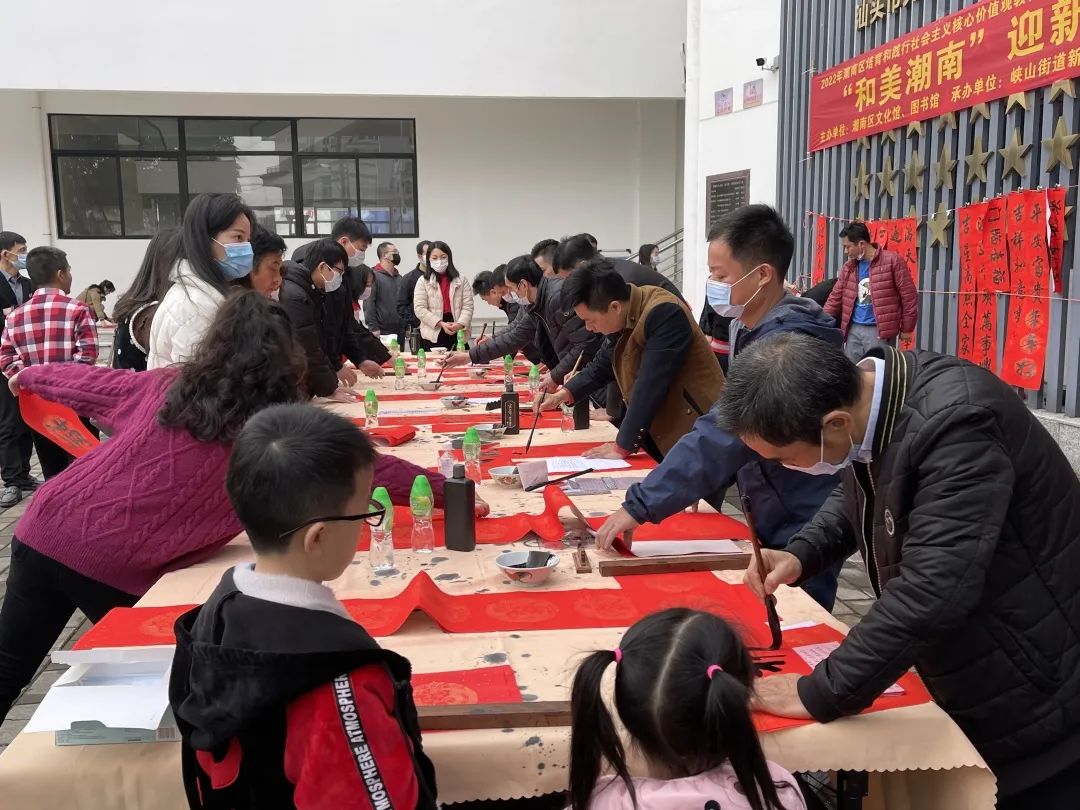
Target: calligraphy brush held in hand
point(437, 379)
point(770, 599)
point(536, 418)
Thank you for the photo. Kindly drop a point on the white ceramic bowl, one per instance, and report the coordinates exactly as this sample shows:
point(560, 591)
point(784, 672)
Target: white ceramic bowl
point(429, 386)
point(439, 350)
point(454, 401)
point(490, 431)
point(524, 576)
point(478, 373)
point(507, 476)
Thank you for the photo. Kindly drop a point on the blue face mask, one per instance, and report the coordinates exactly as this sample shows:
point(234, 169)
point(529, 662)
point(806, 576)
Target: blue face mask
point(824, 467)
point(20, 262)
point(239, 258)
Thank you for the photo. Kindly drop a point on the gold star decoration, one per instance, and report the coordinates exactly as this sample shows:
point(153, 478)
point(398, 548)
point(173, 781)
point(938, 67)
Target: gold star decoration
point(1014, 157)
point(914, 172)
point(1018, 100)
point(913, 214)
point(944, 169)
point(976, 161)
point(916, 127)
point(861, 183)
point(980, 111)
point(890, 134)
point(1059, 147)
point(947, 120)
point(939, 224)
point(863, 142)
point(886, 178)
point(1066, 86)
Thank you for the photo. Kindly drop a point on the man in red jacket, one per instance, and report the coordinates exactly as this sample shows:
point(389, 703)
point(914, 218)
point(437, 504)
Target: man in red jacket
point(874, 299)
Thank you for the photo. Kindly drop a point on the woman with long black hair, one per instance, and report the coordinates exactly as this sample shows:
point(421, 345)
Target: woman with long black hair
point(215, 251)
point(134, 312)
point(442, 300)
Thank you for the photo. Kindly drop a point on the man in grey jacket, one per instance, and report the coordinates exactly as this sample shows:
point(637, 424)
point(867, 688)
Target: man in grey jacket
point(558, 334)
point(381, 306)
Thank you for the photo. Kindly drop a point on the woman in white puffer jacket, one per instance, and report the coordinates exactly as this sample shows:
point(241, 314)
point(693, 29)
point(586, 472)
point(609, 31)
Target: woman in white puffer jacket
point(215, 252)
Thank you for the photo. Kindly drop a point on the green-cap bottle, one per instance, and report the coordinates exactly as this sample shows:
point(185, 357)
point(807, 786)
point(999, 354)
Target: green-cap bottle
point(421, 498)
point(399, 366)
point(394, 345)
point(382, 497)
point(461, 340)
point(470, 446)
point(371, 403)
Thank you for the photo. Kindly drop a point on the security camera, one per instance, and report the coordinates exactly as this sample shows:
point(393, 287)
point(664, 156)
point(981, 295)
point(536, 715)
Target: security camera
point(760, 62)
point(772, 65)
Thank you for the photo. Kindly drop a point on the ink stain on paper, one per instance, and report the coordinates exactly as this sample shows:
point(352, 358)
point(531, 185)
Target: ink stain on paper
point(495, 658)
point(446, 577)
point(533, 741)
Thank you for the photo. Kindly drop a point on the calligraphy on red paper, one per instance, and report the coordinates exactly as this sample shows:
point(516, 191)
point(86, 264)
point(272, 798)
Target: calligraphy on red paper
point(821, 244)
point(1028, 322)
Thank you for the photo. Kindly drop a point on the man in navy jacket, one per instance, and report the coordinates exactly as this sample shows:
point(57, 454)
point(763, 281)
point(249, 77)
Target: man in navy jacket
point(750, 250)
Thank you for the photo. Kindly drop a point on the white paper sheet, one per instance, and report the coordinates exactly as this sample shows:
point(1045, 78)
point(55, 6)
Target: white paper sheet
point(532, 472)
point(814, 654)
point(482, 401)
point(569, 464)
point(678, 548)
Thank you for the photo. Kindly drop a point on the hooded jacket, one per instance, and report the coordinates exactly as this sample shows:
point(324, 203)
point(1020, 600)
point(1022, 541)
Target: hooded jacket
point(282, 706)
point(707, 460)
point(559, 335)
point(182, 318)
point(968, 518)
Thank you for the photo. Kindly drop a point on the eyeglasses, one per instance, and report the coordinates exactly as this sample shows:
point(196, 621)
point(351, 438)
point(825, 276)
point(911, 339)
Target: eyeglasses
point(373, 518)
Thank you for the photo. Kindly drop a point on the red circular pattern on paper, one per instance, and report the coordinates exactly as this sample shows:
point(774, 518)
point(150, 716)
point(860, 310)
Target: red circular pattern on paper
point(454, 612)
point(160, 626)
point(522, 609)
point(599, 605)
point(442, 693)
point(668, 583)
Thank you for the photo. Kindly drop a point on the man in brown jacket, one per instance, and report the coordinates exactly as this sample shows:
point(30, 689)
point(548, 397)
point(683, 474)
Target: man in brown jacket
point(874, 299)
point(654, 350)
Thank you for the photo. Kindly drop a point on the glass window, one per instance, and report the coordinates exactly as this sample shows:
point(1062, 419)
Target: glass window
point(329, 187)
point(366, 135)
point(387, 198)
point(264, 182)
point(150, 189)
point(89, 196)
point(114, 133)
point(237, 135)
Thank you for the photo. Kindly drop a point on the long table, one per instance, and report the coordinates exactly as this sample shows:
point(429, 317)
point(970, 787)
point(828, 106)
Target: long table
point(917, 758)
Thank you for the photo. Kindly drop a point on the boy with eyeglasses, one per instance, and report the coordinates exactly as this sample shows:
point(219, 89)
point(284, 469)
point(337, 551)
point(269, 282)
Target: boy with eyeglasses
point(281, 698)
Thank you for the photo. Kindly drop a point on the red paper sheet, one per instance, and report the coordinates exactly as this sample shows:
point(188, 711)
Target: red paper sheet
point(993, 277)
point(1028, 321)
point(969, 223)
point(1055, 199)
point(56, 422)
point(637, 597)
point(418, 396)
point(467, 687)
point(821, 250)
point(903, 239)
point(914, 691)
point(389, 436)
point(511, 528)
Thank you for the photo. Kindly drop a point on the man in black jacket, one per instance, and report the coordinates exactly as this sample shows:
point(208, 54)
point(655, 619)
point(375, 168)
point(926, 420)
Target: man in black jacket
point(968, 516)
point(16, 440)
point(407, 287)
point(558, 334)
point(325, 335)
point(490, 287)
point(575, 251)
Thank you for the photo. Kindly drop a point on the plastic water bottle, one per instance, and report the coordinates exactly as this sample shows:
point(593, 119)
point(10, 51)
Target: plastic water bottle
point(508, 370)
point(399, 373)
point(371, 409)
point(421, 365)
point(446, 460)
point(461, 340)
point(394, 347)
point(381, 552)
point(534, 380)
point(470, 449)
point(422, 503)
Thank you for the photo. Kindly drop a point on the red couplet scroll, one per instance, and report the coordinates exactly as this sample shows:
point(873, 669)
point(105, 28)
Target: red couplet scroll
point(57, 422)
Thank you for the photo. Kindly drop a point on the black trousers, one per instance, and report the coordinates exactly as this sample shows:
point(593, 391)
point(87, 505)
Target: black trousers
point(16, 441)
point(42, 595)
point(1059, 792)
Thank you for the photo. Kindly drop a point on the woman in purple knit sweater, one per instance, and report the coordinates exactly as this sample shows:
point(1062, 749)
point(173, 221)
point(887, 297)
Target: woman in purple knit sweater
point(152, 498)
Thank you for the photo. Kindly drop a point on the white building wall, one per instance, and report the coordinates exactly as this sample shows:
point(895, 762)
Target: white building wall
point(503, 48)
point(724, 37)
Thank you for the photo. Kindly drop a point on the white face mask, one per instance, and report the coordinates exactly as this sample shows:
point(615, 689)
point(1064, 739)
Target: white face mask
point(440, 265)
point(275, 295)
point(366, 294)
point(357, 258)
point(332, 283)
point(718, 294)
point(824, 467)
point(509, 298)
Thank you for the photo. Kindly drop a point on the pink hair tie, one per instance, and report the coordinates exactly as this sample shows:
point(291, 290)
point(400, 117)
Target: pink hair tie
point(713, 670)
point(618, 655)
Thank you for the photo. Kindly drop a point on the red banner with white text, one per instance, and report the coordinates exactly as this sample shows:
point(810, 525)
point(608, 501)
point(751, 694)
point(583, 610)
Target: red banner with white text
point(982, 53)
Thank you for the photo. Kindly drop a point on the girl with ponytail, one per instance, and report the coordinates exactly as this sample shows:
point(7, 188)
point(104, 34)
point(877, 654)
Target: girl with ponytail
point(682, 690)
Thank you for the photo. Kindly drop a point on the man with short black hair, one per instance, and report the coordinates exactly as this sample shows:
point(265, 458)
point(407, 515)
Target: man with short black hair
point(406, 313)
point(652, 349)
point(490, 287)
point(558, 333)
point(750, 250)
point(874, 299)
point(51, 327)
point(542, 253)
point(967, 514)
point(381, 306)
point(576, 251)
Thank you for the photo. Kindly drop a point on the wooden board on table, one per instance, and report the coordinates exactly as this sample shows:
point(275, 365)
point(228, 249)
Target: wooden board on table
point(674, 565)
point(537, 714)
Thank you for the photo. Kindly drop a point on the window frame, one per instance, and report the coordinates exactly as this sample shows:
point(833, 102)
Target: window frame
point(181, 155)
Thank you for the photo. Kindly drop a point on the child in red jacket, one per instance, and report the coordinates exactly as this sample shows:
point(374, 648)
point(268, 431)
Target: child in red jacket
point(284, 701)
